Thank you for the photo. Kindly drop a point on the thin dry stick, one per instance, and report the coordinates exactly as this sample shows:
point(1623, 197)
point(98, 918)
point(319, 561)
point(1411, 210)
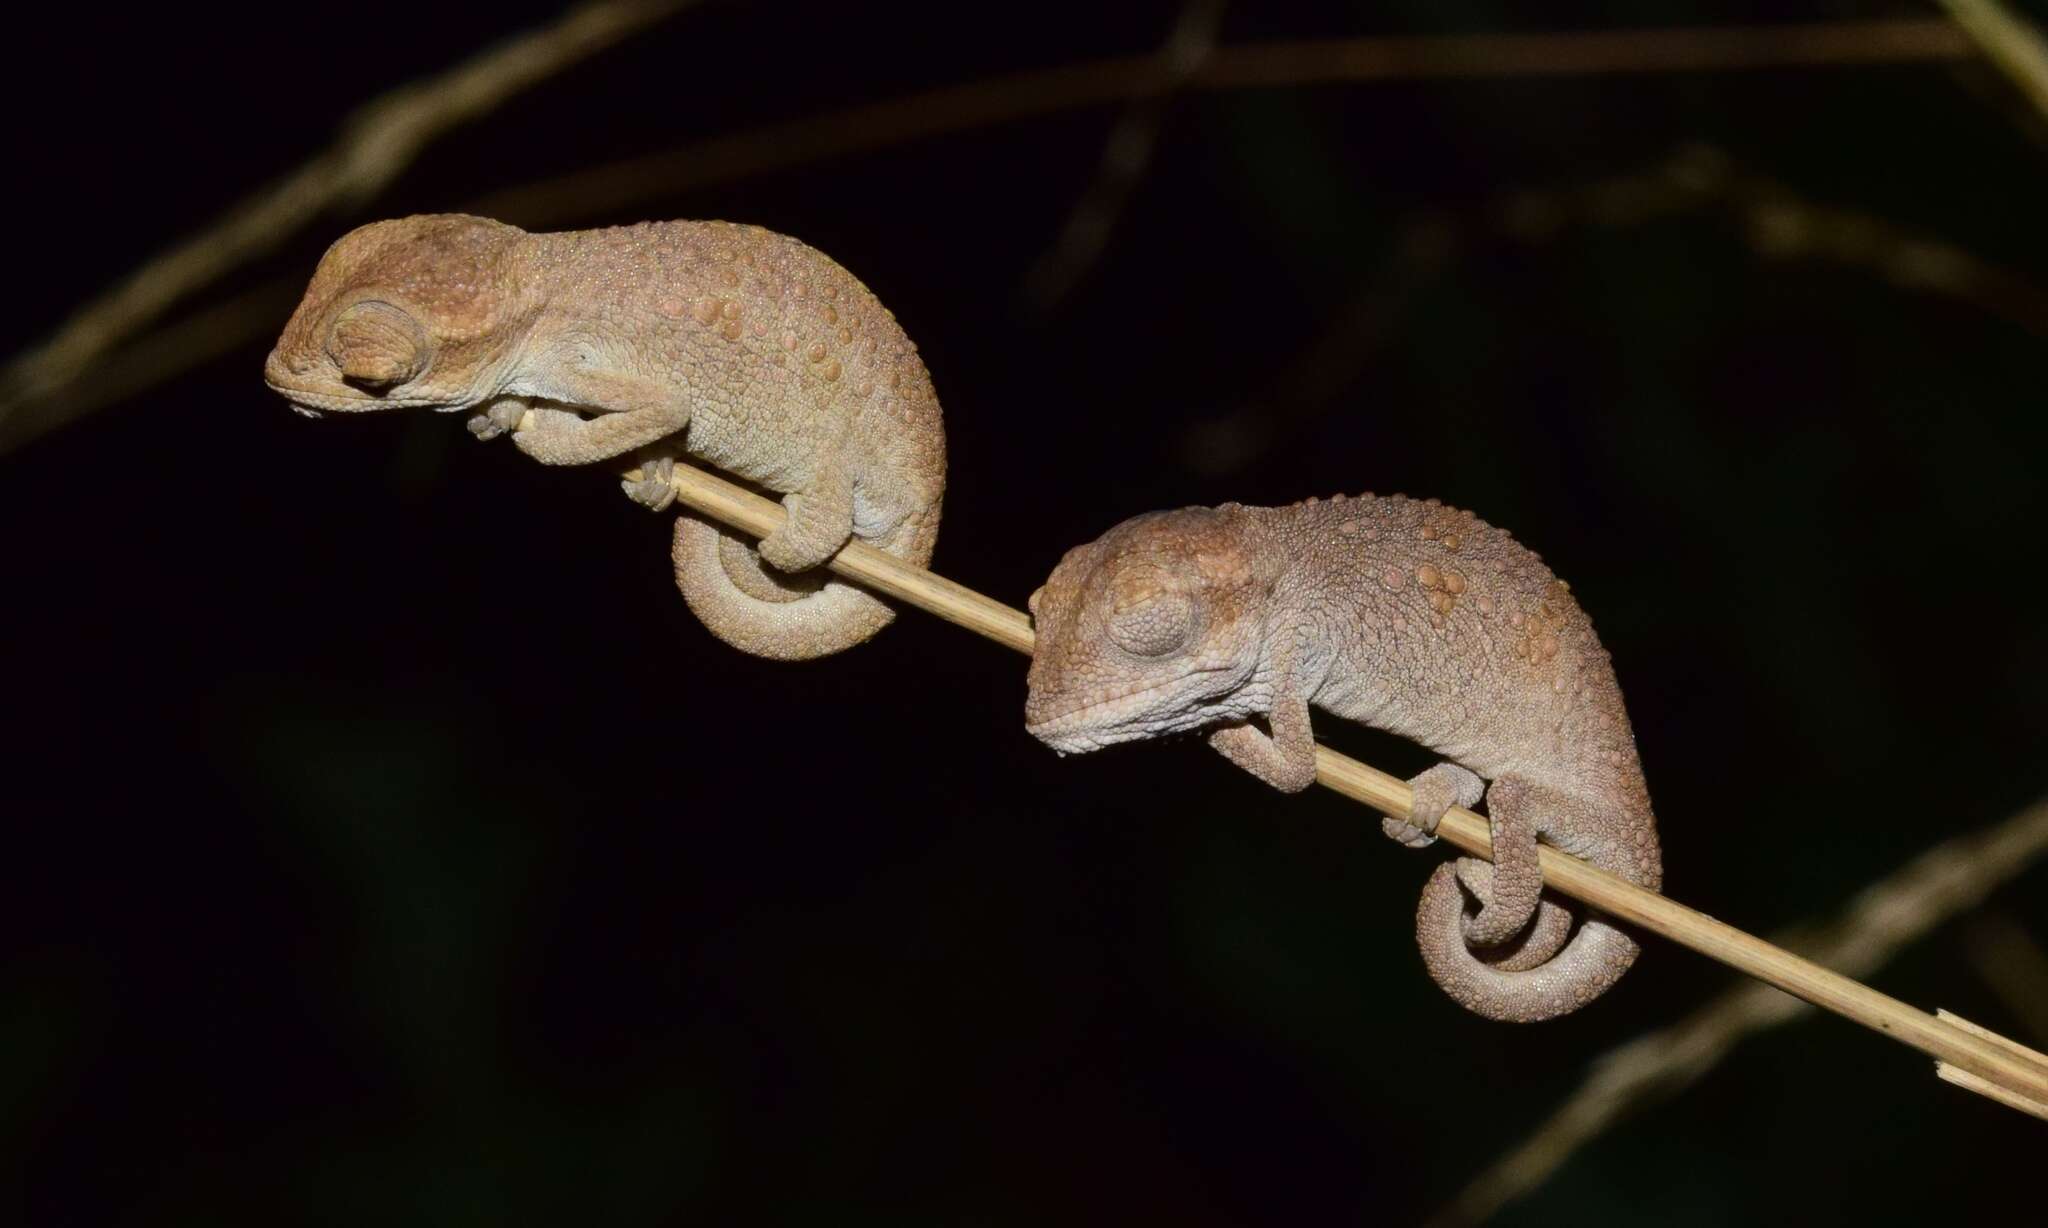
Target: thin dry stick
point(377, 143)
point(1985, 1087)
point(1950, 878)
point(2009, 42)
point(1991, 1061)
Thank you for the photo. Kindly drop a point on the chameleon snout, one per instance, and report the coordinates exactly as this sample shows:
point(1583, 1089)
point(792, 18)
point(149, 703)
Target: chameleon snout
point(285, 372)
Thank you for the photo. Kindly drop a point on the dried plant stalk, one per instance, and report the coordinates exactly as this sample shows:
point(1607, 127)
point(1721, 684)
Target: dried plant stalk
point(1995, 1061)
point(1950, 878)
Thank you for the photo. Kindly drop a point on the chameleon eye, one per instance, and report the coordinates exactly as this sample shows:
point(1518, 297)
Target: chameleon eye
point(1147, 618)
point(377, 346)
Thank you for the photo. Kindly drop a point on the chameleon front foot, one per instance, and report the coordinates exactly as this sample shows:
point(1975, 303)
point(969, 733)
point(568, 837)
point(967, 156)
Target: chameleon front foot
point(1436, 790)
point(655, 489)
point(1286, 759)
point(496, 419)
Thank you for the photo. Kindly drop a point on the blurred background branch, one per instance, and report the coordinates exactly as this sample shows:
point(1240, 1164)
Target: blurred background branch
point(975, 104)
point(1125, 154)
point(1694, 181)
point(2012, 964)
point(54, 383)
point(1948, 879)
point(2008, 42)
point(378, 143)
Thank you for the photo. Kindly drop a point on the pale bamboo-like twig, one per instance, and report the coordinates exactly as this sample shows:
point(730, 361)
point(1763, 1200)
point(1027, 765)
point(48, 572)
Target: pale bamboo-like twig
point(1994, 1062)
point(378, 142)
point(1885, 916)
point(1951, 1073)
point(2009, 42)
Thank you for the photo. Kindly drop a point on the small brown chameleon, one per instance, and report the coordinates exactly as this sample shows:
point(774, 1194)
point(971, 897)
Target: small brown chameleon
point(731, 343)
point(1410, 617)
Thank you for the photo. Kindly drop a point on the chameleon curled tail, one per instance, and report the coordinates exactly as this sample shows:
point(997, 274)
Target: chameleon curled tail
point(1539, 974)
point(760, 610)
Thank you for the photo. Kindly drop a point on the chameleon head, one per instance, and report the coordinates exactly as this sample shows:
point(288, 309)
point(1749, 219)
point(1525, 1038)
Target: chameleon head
point(1151, 629)
point(417, 312)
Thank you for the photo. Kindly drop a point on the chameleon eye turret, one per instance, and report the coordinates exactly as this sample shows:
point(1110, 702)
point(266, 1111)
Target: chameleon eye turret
point(377, 346)
point(1150, 618)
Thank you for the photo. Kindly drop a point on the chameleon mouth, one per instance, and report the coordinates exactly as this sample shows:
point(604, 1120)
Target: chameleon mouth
point(1080, 729)
point(313, 403)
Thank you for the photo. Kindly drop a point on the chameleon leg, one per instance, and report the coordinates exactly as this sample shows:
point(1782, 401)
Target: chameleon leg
point(820, 520)
point(1436, 790)
point(1516, 877)
point(1535, 945)
point(1286, 760)
point(561, 437)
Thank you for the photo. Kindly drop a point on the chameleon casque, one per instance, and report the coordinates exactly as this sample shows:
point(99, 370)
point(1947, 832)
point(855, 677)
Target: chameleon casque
point(730, 343)
point(1407, 616)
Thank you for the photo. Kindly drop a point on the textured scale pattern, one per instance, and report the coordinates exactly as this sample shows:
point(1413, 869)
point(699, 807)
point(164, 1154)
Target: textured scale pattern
point(1405, 615)
point(729, 343)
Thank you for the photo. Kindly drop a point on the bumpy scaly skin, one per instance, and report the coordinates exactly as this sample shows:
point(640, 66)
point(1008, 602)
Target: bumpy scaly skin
point(732, 344)
point(1408, 616)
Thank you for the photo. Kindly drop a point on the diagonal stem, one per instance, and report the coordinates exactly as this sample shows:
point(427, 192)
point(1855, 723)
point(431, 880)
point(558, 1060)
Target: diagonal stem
point(2011, 1068)
point(1950, 878)
point(2007, 41)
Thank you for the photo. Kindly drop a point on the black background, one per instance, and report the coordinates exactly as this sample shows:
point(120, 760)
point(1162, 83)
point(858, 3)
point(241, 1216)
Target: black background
point(387, 843)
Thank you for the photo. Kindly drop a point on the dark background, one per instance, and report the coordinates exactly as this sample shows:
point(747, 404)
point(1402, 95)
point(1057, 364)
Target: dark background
point(386, 843)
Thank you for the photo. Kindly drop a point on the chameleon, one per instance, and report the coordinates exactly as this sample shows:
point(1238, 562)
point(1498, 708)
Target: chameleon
point(730, 343)
point(1405, 615)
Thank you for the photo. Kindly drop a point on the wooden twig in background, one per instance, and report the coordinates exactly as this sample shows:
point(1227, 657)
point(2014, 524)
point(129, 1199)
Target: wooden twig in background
point(1125, 154)
point(977, 104)
point(1694, 181)
point(37, 391)
point(2009, 42)
point(157, 357)
point(1951, 878)
point(380, 141)
point(2009, 1068)
point(2015, 968)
